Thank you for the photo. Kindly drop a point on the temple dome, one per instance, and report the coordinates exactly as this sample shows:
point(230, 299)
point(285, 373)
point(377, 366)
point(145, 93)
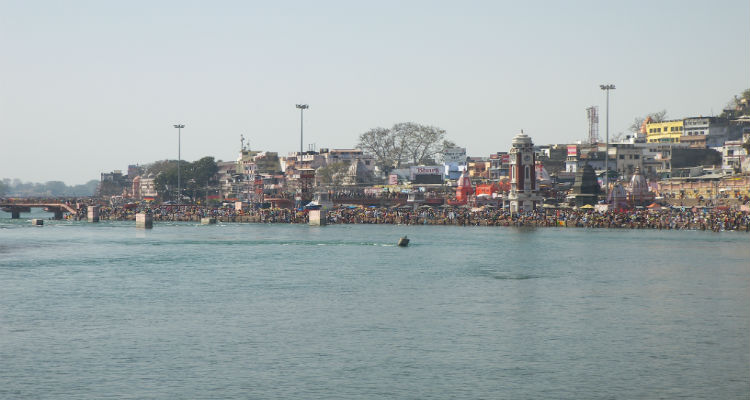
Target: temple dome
point(638, 184)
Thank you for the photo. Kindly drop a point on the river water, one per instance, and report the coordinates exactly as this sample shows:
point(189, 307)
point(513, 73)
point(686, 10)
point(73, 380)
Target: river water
point(339, 312)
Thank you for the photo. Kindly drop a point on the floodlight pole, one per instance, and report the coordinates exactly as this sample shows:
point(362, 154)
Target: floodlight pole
point(606, 88)
point(302, 108)
point(179, 159)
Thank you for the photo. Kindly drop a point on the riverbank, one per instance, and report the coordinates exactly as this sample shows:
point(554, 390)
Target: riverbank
point(665, 219)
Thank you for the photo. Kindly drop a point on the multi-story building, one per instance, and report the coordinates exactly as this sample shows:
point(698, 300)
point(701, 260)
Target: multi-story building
point(657, 158)
point(113, 183)
point(478, 167)
point(702, 132)
point(664, 131)
point(571, 161)
point(734, 156)
point(146, 187)
point(628, 157)
point(349, 155)
point(453, 171)
point(304, 160)
point(267, 162)
point(230, 180)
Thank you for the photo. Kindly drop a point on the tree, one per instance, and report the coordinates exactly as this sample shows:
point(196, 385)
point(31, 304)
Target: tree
point(405, 142)
point(56, 188)
point(659, 116)
point(204, 170)
point(161, 166)
point(165, 172)
point(738, 106)
point(382, 145)
point(420, 143)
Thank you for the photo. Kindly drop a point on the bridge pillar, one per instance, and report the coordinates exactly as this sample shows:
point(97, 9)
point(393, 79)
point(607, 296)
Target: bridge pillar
point(144, 220)
point(317, 217)
point(93, 213)
point(58, 213)
point(15, 213)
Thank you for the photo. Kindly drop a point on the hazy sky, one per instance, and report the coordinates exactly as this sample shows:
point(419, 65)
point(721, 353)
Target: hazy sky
point(92, 86)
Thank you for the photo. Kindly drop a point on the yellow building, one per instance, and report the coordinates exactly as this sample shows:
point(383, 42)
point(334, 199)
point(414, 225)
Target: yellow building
point(664, 132)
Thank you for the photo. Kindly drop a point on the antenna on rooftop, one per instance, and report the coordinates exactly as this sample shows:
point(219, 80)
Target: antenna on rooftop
point(592, 113)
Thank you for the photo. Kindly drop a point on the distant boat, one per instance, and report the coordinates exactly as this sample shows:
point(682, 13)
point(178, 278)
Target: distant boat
point(403, 242)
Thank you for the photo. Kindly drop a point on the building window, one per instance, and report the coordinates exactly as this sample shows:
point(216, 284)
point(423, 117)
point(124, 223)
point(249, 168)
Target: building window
point(622, 156)
point(526, 172)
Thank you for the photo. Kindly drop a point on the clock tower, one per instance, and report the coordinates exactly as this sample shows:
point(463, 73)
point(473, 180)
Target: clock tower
point(524, 189)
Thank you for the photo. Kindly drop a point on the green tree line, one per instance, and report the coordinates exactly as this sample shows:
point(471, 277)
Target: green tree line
point(18, 188)
point(196, 177)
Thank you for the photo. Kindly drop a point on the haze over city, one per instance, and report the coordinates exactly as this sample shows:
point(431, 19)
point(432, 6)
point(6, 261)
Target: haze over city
point(88, 87)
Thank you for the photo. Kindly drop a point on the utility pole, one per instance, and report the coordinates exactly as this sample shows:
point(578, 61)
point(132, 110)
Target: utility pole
point(179, 160)
point(607, 88)
point(302, 108)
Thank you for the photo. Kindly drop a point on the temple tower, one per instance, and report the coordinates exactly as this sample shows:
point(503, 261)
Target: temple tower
point(524, 189)
point(464, 189)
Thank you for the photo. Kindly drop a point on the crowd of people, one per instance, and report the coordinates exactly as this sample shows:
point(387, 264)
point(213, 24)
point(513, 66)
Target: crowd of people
point(695, 218)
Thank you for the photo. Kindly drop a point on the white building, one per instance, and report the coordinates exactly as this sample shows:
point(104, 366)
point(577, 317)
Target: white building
point(702, 132)
point(734, 156)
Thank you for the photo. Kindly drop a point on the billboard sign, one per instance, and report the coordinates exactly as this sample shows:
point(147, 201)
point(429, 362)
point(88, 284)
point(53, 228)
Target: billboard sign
point(426, 170)
point(505, 159)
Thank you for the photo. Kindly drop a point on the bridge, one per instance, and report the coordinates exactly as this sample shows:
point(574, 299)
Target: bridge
point(16, 208)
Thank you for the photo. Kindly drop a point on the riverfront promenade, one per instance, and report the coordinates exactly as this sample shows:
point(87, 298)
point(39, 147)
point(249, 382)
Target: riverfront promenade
point(665, 219)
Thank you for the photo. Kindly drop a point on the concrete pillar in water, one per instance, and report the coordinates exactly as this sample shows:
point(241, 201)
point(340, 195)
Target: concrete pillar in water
point(208, 221)
point(144, 220)
point(37, 222)
point(93, 212)
point(317, 217)
point(15, 214)
point(58, 213)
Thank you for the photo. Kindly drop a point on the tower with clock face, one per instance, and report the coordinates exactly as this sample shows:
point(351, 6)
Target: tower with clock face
point(524, 189)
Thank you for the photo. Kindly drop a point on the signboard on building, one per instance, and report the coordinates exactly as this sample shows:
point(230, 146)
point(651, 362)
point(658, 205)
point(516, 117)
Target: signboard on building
point(505, 159)
point(393, 179)
point(426, 174)
point(572, 150)
point(426, 170)
point(454, 155)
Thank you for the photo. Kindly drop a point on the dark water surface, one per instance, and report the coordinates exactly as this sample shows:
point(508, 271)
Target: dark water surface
point(281, 311)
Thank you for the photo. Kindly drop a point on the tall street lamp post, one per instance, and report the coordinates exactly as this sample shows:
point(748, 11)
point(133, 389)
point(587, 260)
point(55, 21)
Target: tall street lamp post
point(179, 159)
point(302, 108)
point(606, 88)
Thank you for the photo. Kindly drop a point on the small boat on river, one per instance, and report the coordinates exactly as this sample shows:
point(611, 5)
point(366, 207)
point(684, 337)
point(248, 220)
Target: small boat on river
point(403, 242)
